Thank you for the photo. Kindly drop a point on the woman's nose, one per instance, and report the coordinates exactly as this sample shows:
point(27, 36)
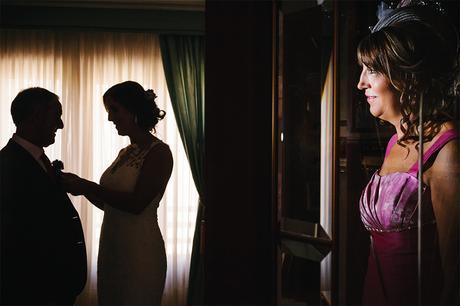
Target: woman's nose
point(362, 83)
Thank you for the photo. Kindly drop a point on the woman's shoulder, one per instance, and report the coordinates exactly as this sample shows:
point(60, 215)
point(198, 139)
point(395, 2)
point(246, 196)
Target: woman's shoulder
point(450, 126)
point(159, 149)
point(159, 158)
point(124, 150)
point(448, 156)
point(449, 133)
point(158, 144)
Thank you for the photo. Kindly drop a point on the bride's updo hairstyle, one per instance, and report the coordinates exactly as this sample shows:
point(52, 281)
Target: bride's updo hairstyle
point(416, 49)
point(141, 103)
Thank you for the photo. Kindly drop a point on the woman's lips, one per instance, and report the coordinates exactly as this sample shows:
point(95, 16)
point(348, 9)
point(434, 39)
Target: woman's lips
point(370, 99)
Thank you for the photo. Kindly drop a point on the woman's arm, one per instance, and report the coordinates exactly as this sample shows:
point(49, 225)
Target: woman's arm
point(71, 183)
point(95, 201)
point(153, 177)
point(445, 191)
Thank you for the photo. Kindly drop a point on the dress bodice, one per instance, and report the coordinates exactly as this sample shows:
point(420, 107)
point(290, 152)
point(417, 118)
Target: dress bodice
point(132, 257)
point(123, 172)
point(389, 203)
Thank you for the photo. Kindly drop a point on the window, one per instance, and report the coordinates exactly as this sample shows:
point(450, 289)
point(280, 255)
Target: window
point(79, 67)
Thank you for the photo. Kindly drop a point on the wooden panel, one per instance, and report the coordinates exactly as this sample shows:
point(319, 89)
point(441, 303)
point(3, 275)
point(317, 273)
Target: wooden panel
point(240, 242)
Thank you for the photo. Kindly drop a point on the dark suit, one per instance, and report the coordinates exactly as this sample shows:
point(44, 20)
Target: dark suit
point(43, 256)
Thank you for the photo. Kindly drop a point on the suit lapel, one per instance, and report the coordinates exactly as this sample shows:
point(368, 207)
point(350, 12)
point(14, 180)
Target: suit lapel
point(29, 163)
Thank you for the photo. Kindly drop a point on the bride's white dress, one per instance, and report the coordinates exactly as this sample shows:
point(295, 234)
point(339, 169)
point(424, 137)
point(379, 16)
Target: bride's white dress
point(132, 257)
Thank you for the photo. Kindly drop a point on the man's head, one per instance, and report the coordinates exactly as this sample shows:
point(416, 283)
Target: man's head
point(37, 114)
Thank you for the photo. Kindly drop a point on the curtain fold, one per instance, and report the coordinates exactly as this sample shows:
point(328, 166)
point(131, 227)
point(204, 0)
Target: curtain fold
point(183, 62)
point(79, 67)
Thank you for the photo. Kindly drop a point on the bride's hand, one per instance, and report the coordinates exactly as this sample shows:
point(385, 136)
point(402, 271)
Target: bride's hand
point(72, 183)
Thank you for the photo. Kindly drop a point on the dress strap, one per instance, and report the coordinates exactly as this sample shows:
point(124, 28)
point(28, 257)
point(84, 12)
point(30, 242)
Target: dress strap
point(435, 147)
point(390, 144)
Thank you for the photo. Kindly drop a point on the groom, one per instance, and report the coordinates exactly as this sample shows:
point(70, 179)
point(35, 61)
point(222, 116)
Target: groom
point(43, 256)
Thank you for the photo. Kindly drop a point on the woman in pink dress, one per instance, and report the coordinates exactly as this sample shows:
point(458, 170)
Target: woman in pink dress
point(409, 54)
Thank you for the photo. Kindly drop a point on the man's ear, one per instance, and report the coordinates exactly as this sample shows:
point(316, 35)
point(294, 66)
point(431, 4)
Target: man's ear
point(37, 117)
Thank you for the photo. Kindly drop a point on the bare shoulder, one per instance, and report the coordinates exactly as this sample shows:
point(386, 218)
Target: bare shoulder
point(160, 152)
point(448, 125)
point(448, 158)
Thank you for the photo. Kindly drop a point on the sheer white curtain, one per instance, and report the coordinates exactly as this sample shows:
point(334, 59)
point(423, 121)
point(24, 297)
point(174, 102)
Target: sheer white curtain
point(79, 67)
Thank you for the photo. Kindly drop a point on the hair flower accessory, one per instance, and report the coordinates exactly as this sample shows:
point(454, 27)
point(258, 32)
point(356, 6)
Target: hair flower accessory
point(150, 94)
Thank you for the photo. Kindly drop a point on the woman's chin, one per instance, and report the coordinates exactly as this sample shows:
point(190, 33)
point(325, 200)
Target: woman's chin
point(376, 113)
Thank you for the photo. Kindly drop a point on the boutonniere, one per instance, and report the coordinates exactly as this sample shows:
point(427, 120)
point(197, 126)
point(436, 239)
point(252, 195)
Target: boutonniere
point(58, 166)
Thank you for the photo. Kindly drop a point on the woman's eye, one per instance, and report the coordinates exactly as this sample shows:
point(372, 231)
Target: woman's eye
point(371, 71)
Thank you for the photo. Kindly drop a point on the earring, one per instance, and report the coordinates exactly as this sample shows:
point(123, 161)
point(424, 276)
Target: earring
point(135, 120)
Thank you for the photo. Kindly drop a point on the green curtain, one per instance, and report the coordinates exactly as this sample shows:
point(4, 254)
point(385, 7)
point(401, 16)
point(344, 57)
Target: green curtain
point(183, 61)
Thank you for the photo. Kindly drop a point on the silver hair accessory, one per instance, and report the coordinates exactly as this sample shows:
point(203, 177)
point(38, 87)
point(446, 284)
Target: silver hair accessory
point(405, 10)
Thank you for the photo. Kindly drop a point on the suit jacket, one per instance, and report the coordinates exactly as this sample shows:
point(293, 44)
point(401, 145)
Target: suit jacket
point(43, 255)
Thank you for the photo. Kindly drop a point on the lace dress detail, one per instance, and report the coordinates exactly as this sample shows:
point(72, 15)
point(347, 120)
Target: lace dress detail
point(132, 257)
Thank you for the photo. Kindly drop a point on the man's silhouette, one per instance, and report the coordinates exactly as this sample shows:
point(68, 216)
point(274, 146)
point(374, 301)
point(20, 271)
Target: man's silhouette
point(43, 256)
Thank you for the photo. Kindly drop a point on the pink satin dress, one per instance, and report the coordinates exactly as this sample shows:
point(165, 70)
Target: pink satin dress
point(389, 211)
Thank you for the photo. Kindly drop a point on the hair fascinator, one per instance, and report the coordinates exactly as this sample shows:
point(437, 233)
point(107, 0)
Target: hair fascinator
point(393, 12)
point(427, 12)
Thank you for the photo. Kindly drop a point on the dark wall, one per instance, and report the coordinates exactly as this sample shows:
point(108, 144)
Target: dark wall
point(240, 242)
point(99, 18)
